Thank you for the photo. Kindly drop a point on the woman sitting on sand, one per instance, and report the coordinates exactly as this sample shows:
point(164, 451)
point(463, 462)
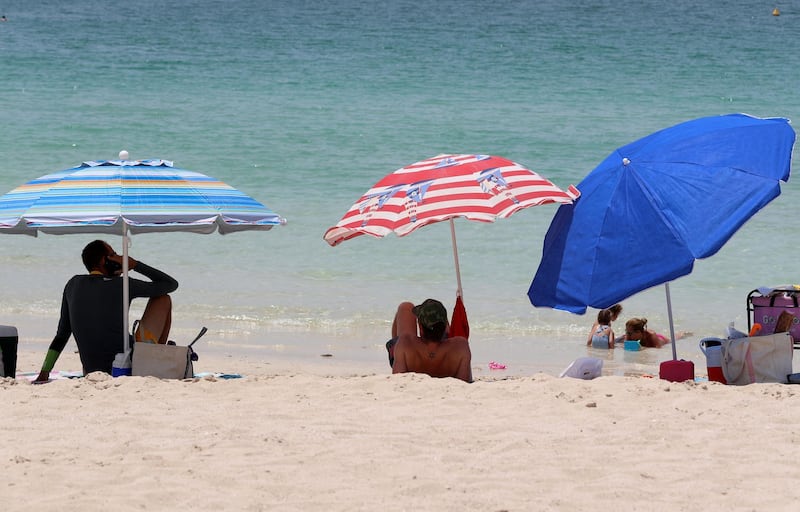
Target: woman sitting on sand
point(636, 330)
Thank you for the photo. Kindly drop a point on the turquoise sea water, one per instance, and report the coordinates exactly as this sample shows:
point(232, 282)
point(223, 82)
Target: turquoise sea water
point(304, 105)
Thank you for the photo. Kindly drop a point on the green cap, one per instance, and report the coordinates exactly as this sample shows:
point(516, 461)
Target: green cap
point(430, 313)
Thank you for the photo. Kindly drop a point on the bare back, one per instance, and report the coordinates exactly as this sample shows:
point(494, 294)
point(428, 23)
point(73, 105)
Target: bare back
point(450, 357)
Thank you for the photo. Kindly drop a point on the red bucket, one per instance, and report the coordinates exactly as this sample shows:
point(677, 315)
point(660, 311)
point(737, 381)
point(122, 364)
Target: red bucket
point(712, 348)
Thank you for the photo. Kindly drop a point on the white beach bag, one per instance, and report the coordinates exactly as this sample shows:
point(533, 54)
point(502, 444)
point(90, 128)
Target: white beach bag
point(586, 368)
point(162, 361)
point(758, 359)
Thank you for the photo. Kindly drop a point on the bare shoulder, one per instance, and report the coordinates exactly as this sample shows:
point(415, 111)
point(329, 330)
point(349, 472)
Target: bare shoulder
point(457, 343)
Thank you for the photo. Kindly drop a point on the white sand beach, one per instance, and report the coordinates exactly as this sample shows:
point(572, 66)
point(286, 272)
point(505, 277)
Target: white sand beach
point(303, 106)
point(327, 436)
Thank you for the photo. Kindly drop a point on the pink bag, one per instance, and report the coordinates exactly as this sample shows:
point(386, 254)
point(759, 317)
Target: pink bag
point(767, 308)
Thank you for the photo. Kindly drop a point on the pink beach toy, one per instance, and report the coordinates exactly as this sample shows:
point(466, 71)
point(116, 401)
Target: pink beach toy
point(496, 366)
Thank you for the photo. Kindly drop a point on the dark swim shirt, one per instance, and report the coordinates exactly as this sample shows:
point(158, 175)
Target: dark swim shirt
point(91, 311)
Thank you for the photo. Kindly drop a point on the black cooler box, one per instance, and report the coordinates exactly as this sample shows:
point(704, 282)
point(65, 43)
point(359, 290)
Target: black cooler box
point(8, 351)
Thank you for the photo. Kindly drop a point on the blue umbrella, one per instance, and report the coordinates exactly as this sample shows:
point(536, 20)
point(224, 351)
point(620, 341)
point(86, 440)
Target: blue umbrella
point(654, 206)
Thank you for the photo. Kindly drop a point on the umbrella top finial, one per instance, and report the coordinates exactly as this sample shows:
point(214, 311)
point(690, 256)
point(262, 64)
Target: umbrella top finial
point(123, 155)
point(625, 161)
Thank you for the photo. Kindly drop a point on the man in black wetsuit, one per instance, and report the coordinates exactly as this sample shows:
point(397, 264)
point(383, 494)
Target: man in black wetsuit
point(91, 309)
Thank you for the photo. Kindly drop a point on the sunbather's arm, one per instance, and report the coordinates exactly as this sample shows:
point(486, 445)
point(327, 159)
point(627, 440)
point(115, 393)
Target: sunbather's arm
point(59, 342)
point(405, 328)
point(405, 321)
point(160, 282)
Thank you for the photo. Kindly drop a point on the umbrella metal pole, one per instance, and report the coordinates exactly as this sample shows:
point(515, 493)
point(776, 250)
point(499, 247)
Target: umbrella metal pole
point(459, 291)
point(125, 289)
point(671, 325)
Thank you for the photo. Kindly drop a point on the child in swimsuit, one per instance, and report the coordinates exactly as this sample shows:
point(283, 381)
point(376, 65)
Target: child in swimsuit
point(602, 336)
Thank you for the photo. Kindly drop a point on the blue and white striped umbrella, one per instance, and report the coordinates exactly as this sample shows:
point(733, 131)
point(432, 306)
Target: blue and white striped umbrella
point(136, 196)
point(141, 196)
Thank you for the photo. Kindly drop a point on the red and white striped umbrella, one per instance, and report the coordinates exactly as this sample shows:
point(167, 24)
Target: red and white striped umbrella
point(476, 187)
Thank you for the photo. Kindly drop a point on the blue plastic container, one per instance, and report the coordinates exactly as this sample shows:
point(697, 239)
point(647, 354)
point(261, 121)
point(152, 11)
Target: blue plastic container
point(632, 345)
point(120, 372)
point(121, 366)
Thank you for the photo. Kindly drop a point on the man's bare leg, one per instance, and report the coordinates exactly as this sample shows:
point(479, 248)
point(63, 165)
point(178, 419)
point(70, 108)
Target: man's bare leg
point(156, 320)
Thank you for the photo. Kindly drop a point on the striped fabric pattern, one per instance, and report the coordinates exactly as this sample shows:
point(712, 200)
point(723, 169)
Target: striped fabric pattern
point(477, 187)
point(147, 195)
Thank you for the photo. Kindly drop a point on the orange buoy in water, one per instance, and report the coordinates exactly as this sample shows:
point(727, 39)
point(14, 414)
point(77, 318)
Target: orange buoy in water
point(776, 12)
